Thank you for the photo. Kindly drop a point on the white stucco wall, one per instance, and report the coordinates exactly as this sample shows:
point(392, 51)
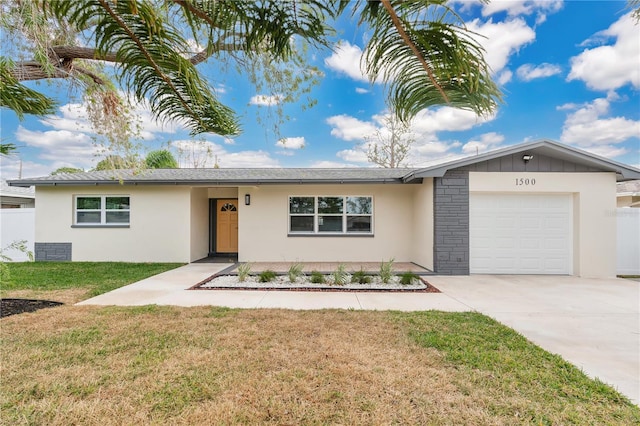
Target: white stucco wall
point(159, 228)
point(422, 249)
point(199, 223)
point(594, 225)
point(263, 225)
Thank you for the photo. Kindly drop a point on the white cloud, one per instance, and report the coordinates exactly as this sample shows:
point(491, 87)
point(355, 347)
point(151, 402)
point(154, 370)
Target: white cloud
point(345, 59)
point(523, 7)
point(528, 72)
point(501, 39)
point(608, 151)
point(291, 143)
point(60, 146)
point(13, 168)
point(486, 142)
point(588, 126)
point(353, 155)
point(505, 76)
point(266, 100)
point(612, 66)
point(331, 165)
point(361, 90)
point(446, 119)
point(350, 128)
point(205, 154)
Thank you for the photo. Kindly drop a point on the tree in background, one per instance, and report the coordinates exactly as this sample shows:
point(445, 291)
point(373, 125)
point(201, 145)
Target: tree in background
point(389, 145)
point(66, 170)
point(420, 49)
point(114, 162)
point(160, 159)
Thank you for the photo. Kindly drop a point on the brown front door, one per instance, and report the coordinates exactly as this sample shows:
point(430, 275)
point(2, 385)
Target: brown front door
point(227, 226)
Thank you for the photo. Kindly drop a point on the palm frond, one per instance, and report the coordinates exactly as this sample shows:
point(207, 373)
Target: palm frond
point(19, 98)
point(427, 57)
point(150, 66)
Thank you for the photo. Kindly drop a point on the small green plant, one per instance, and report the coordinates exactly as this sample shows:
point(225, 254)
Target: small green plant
point(408, 278)
point(340, 275)
point(295, 271)
point(21, 246)
point(360, 277)
point(267, 276)
point(317, 277)
point(243, 271)
point(386, 270)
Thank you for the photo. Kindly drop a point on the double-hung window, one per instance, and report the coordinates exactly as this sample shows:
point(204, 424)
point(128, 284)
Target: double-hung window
point(330, 215)
point(107, 210)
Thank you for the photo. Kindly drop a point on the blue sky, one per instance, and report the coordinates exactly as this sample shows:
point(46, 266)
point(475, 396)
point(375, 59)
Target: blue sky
point(570, 71)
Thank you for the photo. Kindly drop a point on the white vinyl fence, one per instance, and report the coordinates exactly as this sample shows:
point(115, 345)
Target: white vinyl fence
point(16, 225)
point(628, 241)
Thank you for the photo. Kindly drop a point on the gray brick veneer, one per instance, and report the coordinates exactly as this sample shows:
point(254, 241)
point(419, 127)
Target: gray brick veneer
point(52, 251)
point(451, 223)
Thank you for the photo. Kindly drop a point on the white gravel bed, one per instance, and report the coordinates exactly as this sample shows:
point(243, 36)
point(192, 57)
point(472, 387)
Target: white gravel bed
point(282, 281)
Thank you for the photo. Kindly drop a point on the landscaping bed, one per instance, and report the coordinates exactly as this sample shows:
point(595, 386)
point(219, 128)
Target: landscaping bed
point(18, 306)
point(304, 283)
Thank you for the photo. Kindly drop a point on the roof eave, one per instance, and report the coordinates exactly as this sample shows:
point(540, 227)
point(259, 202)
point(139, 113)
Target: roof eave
point(250, 182)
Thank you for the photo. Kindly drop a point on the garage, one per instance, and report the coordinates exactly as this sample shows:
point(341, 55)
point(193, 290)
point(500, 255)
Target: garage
point(520, 233)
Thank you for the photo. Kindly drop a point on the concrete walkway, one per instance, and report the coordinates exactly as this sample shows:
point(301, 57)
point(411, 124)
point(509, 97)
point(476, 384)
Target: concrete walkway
point(592, 323)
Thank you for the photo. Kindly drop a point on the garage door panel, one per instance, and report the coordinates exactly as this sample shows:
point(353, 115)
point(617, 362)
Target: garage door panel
point(521, 233)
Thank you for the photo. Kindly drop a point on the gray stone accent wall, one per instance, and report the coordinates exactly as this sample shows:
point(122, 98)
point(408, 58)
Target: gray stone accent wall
point(52, 251)
point(451, 223)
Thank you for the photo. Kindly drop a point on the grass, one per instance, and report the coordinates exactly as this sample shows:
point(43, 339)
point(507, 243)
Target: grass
point(74, 281)
point(165, 365)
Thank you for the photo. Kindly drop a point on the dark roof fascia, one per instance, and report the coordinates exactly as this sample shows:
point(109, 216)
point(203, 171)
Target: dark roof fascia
point(624, 171)
point(27, 183)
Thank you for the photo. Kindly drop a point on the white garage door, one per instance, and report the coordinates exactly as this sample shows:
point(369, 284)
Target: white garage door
point(520, 234)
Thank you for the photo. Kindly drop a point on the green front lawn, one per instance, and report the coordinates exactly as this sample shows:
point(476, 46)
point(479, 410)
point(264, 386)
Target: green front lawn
point(86, 278)
point(169, 365)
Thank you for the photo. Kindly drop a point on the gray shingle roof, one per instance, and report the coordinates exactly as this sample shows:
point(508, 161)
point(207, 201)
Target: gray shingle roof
point(222, 176)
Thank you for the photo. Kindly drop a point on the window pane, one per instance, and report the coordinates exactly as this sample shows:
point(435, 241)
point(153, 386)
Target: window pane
point(301, 205)
point(117, 217)
point(329, 223)
point(88, 217)
point(358, 223)
point(117, 203)
point(330, 204)
point(301, 224)
point(88, 203)
point(358, 205)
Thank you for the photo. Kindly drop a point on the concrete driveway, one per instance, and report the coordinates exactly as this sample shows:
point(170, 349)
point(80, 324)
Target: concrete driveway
point(592, 323)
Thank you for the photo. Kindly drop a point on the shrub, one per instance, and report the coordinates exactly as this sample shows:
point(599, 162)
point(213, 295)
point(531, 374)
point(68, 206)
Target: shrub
point(386, 270)
point(317, 277)
point(267, 276)
point(243, 271)
point(340, 275)
point(360, 277)
point(295, 271)
point(408, 278)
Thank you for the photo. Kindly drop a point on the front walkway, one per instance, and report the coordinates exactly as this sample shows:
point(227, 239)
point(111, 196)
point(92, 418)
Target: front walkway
point(170, 288)
point(592, 323)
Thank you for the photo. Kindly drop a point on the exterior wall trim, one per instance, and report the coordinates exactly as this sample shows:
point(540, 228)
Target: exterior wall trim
point(451, 223)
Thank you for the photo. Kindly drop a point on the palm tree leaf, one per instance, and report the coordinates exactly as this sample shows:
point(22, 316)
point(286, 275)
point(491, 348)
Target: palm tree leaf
point(19, 98)
point(433, 60)
point(150, 65)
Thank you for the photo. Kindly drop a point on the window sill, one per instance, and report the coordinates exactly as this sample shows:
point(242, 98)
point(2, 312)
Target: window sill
point(350, 235)
point(100, 226)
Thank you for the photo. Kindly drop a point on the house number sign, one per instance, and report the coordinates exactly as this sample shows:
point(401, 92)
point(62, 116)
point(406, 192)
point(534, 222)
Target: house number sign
point(525, 181)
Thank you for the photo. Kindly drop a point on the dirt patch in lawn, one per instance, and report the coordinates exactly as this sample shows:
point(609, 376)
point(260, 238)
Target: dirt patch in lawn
point(10, 307)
